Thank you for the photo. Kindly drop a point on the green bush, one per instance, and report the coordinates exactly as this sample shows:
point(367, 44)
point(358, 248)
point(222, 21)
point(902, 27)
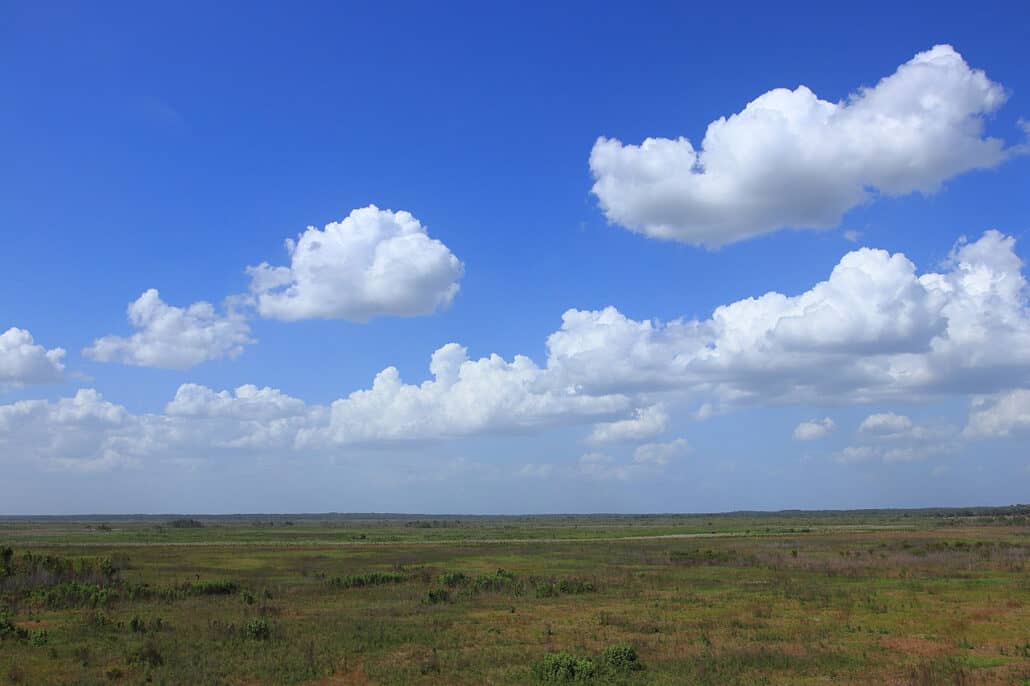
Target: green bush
point(139, 626)
point(210, 588)
point(75, 594)
point(500, 581)
point(566, 586)
point(9, 630)
point(257, 629)
point(453, 579)
point(564, 668)
point(621, 657)
point(148, 654)
point(438, 595)
point(369, 579)
point(186, 524)
point(6, 555)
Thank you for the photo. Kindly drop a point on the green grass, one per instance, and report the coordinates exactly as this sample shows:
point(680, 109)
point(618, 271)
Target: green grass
point(795, 598)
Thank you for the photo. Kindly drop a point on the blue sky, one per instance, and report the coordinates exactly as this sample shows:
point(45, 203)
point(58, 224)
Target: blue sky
point(173, 148)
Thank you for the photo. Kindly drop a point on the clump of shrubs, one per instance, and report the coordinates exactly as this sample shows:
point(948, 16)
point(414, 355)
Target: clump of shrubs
point(369, 579)
point(437, 596)
point(6, 555)
point(453, 579)
point(567, 586)
point(139, 625)
point(258, 630)
point(566, 668)
point(500, 581)
point(186, 524)
point(210, 587)
point(75, 594)
point(34, 571)
point(8, 630)
point(621, 657)
point(147, 655)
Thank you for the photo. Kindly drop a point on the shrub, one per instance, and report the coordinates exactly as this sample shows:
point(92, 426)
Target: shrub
point(501, 580)
point(621, 657)
point(453, 579)
point(546, 589)
point(575, 586)
point(148, 654)
point(369, 579)
point(6, 555)
point(186, 524)
point(139, 626)
point(210, 587)
point(257, 629)
point(563, 668)
point(75, 594)
point(438, 595)
point(39, 637)
point(9, 630)
point(550, 588)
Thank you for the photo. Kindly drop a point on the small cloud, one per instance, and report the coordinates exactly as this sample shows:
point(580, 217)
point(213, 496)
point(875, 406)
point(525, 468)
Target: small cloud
point(814, 429)
point(852, 235)
point(706, 411)
point(660, 454)
point(647, 422)
point(535, 471)
point(174, 337)
point(886, 425)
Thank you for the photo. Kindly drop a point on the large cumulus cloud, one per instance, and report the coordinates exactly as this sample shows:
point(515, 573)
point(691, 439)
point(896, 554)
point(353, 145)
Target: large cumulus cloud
point(791, 159)
point(372, 263)
point(23, 361)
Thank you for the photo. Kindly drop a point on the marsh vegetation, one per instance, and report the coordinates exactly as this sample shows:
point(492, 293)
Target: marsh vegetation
point(927, 597)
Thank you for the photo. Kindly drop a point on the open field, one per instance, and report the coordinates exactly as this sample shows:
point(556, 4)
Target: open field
point(891, 597)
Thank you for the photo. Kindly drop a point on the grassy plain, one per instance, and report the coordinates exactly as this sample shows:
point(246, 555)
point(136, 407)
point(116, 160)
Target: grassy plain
point(888, 597)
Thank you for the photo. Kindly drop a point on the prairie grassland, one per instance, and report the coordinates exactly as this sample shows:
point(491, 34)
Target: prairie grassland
point(798, 598)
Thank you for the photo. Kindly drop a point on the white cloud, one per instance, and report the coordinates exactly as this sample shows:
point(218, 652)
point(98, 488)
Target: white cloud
point(852, 235)
point(464, 397)
point(372, 263)
point(79, 433)
point(647, 422)
point(534, 470)
point(246, 402)
point(660, 454)
point(890, 437)
point(649, 459)
point(790, 159)
point(23, 361)
point(999, 416)
point(173, 337)
point(890, 455)
point(600, 466)
point(814, 429)
point(705, 412)
point(88, 433)
point(874, 330)
point(886, 425)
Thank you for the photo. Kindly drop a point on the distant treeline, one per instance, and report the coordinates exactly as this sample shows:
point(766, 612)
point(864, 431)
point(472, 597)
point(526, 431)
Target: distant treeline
point(417, 520)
